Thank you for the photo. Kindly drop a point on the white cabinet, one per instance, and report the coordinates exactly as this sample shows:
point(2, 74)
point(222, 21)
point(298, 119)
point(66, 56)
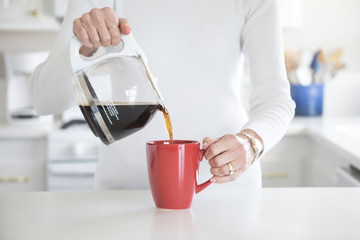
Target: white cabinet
point(301, 161)
point(72, 159)
point(348, 177)
point(308, 156)
point(285, 164)
point(22, 159)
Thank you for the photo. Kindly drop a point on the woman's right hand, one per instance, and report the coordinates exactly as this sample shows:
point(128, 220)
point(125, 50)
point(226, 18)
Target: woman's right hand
point(99, 27)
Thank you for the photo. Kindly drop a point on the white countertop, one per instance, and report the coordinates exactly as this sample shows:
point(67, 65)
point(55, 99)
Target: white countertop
point(28, 23)
point(14, 131)
point(340, 134)
point(287, 213)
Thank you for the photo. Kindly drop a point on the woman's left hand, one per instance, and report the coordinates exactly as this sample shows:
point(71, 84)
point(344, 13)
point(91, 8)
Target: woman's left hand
point(230, 151)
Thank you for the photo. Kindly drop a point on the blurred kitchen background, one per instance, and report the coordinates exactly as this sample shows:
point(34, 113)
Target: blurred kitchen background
point(321, 148)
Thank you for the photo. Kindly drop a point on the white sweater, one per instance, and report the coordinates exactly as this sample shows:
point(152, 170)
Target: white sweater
point(195, 50)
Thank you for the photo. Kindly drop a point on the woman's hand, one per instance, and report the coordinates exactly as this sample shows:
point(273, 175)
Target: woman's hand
point(229, 151)
point(99, 27)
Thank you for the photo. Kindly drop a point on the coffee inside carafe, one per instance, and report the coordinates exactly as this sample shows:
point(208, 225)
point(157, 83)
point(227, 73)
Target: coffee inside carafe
point(124, 119)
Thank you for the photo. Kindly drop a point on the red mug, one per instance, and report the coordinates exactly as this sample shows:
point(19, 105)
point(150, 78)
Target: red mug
point(173, 170)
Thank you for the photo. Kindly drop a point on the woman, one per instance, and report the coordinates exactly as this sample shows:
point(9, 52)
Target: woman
point(195, 48)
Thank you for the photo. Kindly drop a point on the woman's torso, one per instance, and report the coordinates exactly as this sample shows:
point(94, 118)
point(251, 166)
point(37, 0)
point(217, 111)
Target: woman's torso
point(193, 47)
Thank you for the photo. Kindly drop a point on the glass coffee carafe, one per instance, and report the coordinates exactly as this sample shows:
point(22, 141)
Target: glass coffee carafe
point(114, 89)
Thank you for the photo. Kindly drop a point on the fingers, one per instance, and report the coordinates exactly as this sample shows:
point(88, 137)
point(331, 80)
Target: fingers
point(125, 26)
point(87, 51)
point(81, 33)
point(227, 149)
point(207, 142)
point(111, 22)
point(102, 23)
point(92, 32)
point(100, 27)
point(220, 163)
point(223, 169)
point(228, 178)
point(224, 158)
point(115, 35)
point(223, 144)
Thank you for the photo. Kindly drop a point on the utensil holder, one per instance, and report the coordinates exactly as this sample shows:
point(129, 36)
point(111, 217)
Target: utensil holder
point(308, 99)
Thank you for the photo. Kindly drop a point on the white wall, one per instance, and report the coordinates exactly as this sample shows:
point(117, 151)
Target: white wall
point(330, 24)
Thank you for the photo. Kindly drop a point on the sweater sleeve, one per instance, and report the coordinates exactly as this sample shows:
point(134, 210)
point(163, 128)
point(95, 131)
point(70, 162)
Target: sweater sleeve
point(51, 83)
point(271, 107)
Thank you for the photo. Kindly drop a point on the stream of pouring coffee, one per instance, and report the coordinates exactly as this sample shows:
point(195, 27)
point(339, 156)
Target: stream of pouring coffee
point(167, 122)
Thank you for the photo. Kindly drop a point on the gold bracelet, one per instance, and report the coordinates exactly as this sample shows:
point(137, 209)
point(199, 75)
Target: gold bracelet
point(256, 145)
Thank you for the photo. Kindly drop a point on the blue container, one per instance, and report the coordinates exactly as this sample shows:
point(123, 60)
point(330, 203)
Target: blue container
point(308, 99)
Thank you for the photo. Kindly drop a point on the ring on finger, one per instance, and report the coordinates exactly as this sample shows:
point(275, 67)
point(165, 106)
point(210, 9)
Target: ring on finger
point(113, 27)
point(231, 167)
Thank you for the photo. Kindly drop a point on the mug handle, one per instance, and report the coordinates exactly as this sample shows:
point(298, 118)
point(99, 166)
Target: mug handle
point(202, 186)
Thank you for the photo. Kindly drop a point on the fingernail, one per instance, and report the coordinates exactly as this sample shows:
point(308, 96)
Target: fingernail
point(212, 180)
point(127, 29)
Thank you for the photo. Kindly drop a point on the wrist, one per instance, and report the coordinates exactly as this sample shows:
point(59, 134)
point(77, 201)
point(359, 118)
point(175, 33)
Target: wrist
point(255, 141)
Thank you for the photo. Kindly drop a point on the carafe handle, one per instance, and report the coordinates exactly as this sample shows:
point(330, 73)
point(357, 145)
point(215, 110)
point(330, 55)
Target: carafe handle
point(128, 47)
